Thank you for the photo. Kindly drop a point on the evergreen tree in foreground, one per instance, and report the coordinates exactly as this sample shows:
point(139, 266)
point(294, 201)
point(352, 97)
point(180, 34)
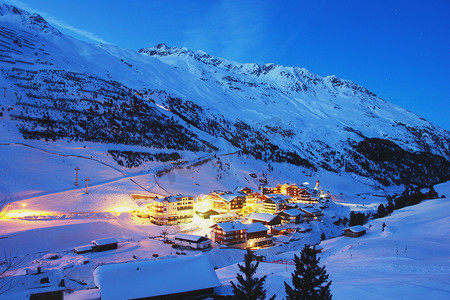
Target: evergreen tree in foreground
point(249, 287)
point(309, 280)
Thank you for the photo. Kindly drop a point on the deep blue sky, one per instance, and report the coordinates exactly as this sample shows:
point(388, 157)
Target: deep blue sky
point(397, 49)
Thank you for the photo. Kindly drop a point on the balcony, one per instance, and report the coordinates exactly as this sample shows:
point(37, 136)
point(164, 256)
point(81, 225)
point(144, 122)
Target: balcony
point(185, 207)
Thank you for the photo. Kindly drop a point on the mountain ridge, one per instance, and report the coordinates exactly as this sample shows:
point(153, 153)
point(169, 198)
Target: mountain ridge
point(32, 21)
point(250, 68)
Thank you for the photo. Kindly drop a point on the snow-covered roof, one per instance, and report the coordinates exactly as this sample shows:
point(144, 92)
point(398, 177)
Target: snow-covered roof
point(278, 199)
point(230, 197)
point(83, 248)
point(280, 196)
point(286, 226)
point(155, 278)
point(229, 215)
point(204, 209)
point(356, 228)
point(304, 205)
point(261, 216)
point(184, 196)
point(304, 192)
point(240, 189)
point(174, 198)
point(160, 199)
point(255, 227)
point(190, 237)
point(105, 241)
point(231, 226)
point(292, 212)
point(311, 211)
point(202, 196)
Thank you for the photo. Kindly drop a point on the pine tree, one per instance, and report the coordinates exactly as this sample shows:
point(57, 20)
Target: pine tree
point(309, 280)
point(357, 218)
point(389, 207)
point(352, 221)
point(432, 194)
point(381, 211)
point(249, 287)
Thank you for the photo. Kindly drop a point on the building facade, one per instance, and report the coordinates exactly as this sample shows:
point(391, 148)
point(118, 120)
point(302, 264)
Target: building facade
point(192, 241)
point(355, 231)
point(227, 202)
point(291, 216)
point(257, 236)
point(273, 205)
point(311, 214)
point(229, 233)
point(264, 218)
point(172, 210)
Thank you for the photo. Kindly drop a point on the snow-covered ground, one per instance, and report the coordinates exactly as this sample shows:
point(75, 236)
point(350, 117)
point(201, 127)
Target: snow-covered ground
point(409, 260)
point(70, 217)
point(40, 174)
point(38, 177)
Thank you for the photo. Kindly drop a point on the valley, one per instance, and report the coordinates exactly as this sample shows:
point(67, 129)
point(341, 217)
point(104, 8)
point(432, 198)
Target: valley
point(152, 147)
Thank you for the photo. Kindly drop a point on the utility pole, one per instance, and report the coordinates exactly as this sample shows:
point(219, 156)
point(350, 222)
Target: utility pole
point(87, 185)
point(4, 92)
point(76, 178)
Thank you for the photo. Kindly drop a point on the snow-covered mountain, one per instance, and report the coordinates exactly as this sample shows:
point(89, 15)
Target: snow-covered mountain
point(57, 87)
point(168, 120)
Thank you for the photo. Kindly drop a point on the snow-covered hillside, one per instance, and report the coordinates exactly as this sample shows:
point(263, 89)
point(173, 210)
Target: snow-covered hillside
point(168, 120)
point(409, 260)
point(59, 88)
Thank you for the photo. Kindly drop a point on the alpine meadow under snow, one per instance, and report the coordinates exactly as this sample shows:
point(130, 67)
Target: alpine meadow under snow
point(169, 121)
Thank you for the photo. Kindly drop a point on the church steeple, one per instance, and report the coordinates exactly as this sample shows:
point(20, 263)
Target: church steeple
point(317, 187)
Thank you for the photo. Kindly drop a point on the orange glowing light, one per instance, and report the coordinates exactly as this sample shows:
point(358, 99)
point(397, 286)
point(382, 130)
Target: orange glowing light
point(14, 214)
point(121, 209)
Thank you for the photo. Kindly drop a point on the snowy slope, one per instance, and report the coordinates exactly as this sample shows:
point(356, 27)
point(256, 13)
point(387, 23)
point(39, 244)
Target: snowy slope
point(317, 107)
point(322, 119)
point(69, 103)
point(409, 260)
point(69, 94)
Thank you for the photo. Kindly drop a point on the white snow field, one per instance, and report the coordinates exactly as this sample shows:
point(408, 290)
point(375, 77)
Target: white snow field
point(409, 260)
point(38, 177)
